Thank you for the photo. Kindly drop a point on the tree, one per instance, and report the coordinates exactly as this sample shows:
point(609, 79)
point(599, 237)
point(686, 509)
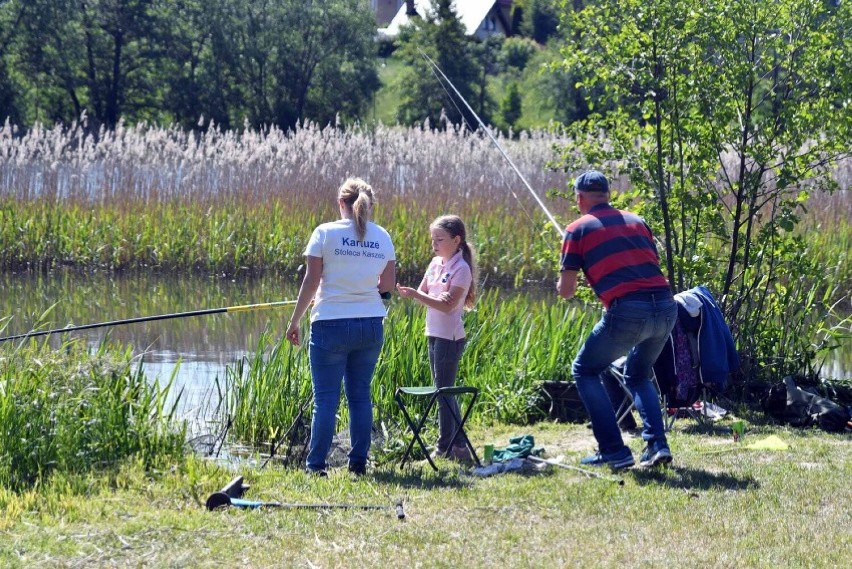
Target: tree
point(541, 20)
point(510, 106)
point(301, 59)
point(11, 13)
point(196, 64)
point(330, 66)
point(93, 55)
point(262, 61)
point(728, 113)
point(441, 36)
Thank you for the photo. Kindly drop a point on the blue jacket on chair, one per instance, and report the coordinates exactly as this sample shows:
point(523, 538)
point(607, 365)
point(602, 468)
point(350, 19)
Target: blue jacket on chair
point(718, 356)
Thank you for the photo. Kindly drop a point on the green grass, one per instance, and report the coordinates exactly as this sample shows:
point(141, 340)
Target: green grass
point(534, 112)
point(388, 97)
point(742, 508)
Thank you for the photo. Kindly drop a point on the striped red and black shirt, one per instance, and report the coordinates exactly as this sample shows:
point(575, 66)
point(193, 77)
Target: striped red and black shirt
point(616, 251)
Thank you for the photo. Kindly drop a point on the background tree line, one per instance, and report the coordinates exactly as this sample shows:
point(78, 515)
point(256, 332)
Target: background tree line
point(259, 62)
point(246, 62)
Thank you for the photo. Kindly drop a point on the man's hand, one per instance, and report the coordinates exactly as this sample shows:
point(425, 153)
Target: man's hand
point(566, 286)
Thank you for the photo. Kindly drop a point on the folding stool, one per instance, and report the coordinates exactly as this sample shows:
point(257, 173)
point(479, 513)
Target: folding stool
point(624, 404)
point(434, 393)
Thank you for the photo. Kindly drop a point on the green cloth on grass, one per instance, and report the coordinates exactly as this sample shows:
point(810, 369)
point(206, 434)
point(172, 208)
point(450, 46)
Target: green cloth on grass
point(519, 447)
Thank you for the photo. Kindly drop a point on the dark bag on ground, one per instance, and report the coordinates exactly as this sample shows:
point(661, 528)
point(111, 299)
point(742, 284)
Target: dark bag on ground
point(797, 407)
point(560, 401)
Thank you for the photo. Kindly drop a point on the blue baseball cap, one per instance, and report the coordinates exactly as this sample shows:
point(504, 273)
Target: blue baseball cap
point(591, 181)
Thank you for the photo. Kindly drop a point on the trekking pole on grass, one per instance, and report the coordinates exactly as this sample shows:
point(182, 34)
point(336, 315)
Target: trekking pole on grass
point(253, 505)
point(241, 308)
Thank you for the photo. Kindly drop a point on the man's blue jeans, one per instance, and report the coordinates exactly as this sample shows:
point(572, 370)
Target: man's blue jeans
point(344, 349)
point(640, 329)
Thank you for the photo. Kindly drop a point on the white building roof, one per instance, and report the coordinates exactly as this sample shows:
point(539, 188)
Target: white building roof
point(471, 13)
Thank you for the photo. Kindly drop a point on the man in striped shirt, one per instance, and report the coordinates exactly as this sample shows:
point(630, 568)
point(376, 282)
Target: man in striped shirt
point(616, 252)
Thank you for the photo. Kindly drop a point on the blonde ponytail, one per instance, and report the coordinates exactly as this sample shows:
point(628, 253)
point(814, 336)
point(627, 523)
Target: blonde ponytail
point(358, 194)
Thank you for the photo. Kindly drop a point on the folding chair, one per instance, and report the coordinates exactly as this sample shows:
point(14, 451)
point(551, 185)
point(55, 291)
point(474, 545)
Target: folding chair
point(686, 376)
point(434, 393)
point(619, 394)
point(680, 391)
point(683, 380)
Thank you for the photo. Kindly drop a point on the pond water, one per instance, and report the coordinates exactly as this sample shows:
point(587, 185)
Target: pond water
point(195, 349)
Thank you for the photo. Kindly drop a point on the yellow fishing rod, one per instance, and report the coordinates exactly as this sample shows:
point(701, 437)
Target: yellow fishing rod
point(241, 308)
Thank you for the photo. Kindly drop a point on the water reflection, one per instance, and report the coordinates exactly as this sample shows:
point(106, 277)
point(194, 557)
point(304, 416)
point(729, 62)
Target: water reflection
point(204, 345)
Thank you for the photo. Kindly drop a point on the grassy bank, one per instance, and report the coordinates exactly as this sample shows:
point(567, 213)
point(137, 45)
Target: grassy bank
point(742, 508)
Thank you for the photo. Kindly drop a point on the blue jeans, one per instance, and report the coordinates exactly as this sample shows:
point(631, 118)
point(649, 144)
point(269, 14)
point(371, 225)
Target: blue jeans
point(640, 329)
point(346, 349)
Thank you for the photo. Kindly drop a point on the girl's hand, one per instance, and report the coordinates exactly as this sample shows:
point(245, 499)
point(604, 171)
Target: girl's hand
point(405, 291)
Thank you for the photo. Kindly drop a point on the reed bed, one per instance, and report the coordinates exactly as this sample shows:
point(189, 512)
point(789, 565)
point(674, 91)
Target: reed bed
point(151, 164)
point(827, 225)
point(73, 411)
point(223, 202)
point(165, 199)
point(243, 238)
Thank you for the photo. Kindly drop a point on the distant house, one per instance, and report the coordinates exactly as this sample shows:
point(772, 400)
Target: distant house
point(385, 10)
point(481, 18)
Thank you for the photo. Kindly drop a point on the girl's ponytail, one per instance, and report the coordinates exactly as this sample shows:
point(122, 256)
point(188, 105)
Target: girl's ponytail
point(468, 256)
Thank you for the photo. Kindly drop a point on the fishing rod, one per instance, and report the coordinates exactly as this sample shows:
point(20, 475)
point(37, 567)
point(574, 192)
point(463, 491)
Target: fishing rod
point(232, 495)
point(228, 309)
point(586, 471)
point(559, 229)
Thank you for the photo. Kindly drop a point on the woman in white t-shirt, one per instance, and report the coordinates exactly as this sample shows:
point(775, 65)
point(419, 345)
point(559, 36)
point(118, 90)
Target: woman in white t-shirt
point(350, 263)
point(447, 288)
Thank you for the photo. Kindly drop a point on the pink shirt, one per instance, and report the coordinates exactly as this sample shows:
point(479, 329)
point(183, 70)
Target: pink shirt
point(440, 278)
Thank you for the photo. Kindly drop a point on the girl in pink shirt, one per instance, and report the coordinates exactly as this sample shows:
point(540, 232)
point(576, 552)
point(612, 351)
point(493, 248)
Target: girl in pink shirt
point(447, 288)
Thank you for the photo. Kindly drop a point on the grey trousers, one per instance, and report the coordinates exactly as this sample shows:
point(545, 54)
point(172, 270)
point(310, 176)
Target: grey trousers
point(444, 357)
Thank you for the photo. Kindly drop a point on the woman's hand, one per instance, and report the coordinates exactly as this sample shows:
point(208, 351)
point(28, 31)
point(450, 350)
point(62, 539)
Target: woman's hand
point(293, 335)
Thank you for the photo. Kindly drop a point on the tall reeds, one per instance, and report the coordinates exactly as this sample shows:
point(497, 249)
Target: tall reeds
point(513, 345)
point(72, 411)
point(147, 197)
point(151, 164)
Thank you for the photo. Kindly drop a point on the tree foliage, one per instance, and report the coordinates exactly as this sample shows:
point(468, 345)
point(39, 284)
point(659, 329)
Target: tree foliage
point(540, 19)
point(442, 37)
point(727, 114)
point(261, 61)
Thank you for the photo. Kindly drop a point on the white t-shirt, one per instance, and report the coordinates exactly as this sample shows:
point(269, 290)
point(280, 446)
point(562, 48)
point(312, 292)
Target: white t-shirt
point(349, 287)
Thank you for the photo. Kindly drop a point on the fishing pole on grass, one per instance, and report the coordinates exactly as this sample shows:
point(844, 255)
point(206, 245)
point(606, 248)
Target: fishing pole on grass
point(231, 495)
point(227, 309)
point(559, 229)
point(585, 471)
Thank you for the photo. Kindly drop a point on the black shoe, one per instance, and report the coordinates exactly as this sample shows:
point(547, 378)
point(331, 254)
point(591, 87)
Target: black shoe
point(322, 473)
point(358, 469)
